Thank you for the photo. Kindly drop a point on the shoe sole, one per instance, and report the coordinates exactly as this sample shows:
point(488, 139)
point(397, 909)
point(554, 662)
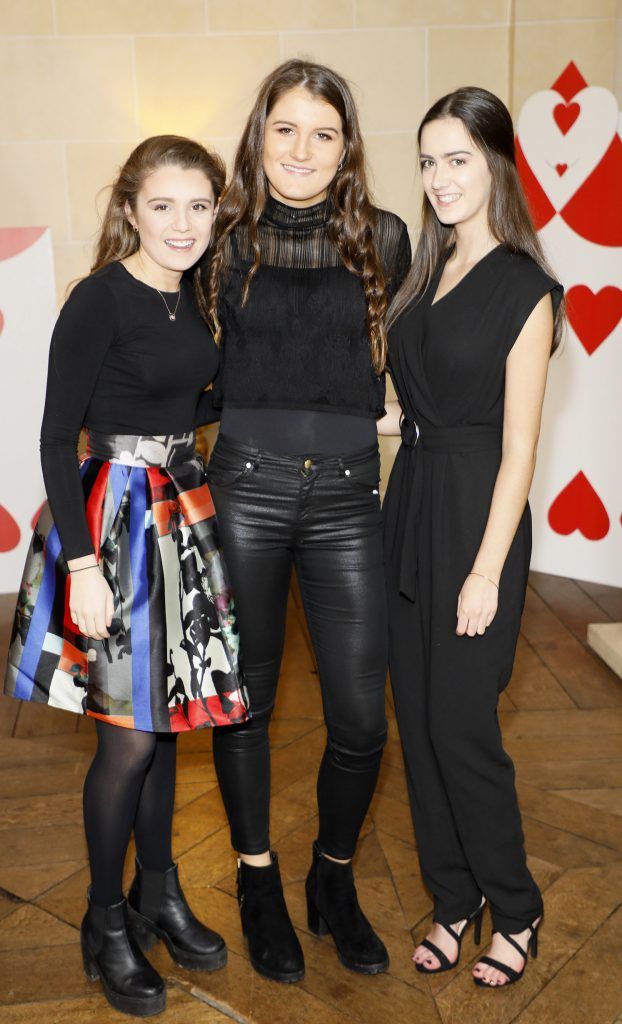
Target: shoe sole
point(379, 968)
point(321, 930)
point(148, 934)
point(284, 978)
point(130, 1005)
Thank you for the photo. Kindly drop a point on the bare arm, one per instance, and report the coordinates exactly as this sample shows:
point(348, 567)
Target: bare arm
point(390, 424)
point(525, 380)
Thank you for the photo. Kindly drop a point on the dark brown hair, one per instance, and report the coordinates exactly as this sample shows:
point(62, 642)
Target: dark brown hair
point(489, 124)
point(351, 216)
point(117, 239)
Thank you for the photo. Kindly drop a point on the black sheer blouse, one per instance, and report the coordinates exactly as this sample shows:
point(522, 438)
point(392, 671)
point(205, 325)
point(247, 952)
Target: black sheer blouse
point(301, 340)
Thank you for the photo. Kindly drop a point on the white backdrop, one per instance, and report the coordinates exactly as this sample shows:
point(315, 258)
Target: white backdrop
point(570, 157)
point(27, 315)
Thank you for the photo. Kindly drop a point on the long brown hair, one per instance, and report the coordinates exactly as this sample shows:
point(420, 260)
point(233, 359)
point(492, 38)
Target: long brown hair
point(351, 216)
point(117, 238)
point(489, 124)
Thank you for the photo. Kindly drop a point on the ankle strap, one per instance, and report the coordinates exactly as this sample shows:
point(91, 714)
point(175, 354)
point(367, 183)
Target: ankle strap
point(517, 946)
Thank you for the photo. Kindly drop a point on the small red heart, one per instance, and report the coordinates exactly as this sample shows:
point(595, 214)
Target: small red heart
point(593, 316)
point(565, 115)
point(9, 531)
point(578, 507)
point(561, 169)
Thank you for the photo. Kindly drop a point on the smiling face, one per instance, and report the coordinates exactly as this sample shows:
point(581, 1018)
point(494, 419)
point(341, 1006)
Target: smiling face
point(174, 213)
point(303, 145)
point(456, 177)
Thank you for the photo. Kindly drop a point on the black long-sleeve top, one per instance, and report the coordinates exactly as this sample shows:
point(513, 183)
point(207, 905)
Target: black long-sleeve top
point(301, 340)
point(118, 364)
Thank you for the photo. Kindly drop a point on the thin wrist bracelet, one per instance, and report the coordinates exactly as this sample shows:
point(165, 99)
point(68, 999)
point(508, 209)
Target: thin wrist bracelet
point(96, 566)
point(472, 573)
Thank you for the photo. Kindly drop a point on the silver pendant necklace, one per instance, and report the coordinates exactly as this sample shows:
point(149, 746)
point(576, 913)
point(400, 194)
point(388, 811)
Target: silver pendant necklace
point(171, 313)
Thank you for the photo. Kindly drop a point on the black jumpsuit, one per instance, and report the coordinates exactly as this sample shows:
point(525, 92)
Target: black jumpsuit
point(448, 365)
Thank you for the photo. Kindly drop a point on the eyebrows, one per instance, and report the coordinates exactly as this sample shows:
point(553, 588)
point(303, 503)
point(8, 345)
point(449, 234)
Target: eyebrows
point(453, 152)
point(170, 199)
point(292, 124)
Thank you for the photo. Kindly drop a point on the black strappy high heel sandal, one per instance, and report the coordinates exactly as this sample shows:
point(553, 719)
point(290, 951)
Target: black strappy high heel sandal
point(445, 963)
point(510, 973)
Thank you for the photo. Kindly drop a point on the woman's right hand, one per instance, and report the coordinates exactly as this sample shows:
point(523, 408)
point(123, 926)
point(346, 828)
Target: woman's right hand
point(91, 604)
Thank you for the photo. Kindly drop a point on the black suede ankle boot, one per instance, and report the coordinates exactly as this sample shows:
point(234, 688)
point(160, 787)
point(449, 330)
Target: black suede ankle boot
point(111, 955)
point(333, 907)
point(272, 942)
point(158, 909)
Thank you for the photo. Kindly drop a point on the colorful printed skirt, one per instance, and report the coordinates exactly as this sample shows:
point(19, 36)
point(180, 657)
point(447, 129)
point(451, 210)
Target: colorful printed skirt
point(171, 661)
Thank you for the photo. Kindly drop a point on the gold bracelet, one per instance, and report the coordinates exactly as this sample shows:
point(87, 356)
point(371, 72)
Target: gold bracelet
point(82, 568)
point(472, 573)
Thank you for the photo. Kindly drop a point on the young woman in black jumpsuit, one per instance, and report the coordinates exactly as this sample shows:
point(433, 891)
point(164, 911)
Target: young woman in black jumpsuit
point(468, 350)
point(124, 612)
point(300, 279)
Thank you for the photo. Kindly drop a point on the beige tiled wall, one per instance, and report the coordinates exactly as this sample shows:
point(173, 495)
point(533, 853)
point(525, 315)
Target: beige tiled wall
point(82, 81)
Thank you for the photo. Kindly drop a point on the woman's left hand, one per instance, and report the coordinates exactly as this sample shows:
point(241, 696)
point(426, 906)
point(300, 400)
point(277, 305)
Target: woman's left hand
point(477, 606)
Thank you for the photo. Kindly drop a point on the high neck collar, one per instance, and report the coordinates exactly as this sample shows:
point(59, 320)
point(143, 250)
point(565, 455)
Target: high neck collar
point(297, 218)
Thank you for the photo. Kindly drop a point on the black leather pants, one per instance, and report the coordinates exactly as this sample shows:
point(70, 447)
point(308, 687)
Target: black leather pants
point(323, 516)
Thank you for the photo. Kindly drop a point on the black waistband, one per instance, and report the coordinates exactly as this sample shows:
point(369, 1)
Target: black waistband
point(230, 446)
point(451, 440)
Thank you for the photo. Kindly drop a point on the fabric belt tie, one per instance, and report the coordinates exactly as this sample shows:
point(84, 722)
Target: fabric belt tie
point(419, 444)
point(147, 450)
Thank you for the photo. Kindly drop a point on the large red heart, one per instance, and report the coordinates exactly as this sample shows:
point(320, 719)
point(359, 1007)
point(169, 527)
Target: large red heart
point(9, 531)
point(565, 115)
point(578, 507)
point(593, 316)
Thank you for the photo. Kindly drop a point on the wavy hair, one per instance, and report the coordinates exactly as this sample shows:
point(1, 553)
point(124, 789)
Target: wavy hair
point(489, 124)
point(351, 216)
point(117, 239)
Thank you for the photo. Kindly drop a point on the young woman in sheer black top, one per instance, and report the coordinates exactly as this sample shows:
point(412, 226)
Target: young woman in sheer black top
point(303, 270)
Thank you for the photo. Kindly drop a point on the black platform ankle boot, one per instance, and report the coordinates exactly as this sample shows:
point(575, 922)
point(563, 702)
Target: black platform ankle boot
point(158, 910)
point(111, 955)
point(333, 907)
point(273, 944)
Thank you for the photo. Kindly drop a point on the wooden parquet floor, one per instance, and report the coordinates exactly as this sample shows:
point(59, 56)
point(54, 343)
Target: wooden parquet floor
point(562, 721)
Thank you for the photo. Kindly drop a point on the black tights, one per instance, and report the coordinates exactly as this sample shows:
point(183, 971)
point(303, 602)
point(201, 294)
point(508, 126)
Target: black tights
point(130, 785)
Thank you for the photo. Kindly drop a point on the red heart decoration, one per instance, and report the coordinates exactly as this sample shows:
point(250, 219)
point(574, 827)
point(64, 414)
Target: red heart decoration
point(35, 518)
point(561, 169)
point(595, 212)
point(578, 507)
point(9, 531)
point(593, 316)
point(565, 115)
point(540, 206)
